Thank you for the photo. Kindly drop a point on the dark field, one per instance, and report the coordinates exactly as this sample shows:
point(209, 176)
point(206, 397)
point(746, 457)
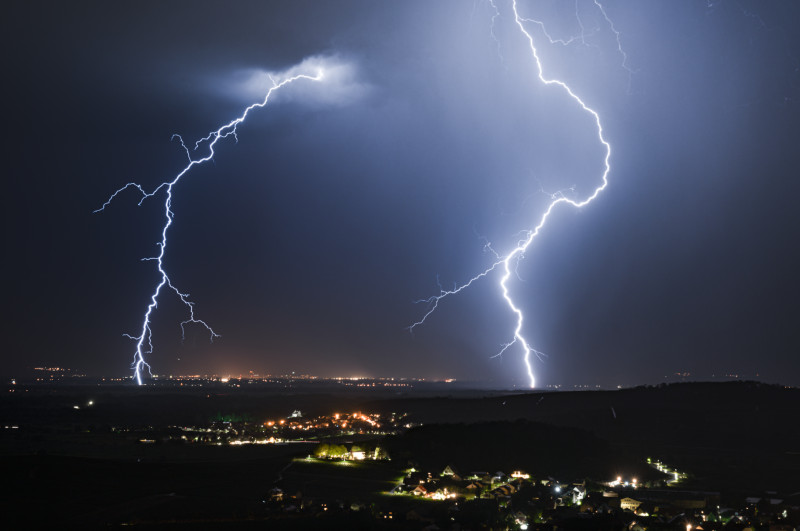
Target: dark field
point(161, 486)
point(363, 481)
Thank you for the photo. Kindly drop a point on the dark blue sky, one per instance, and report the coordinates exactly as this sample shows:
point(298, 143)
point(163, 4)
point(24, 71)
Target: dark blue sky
point(306, 243)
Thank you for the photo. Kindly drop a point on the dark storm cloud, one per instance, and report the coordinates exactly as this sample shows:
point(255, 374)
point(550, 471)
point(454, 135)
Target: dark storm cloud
point(306, 241)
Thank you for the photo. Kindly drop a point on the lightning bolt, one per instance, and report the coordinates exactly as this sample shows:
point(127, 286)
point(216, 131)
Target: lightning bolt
point(619, 43)
point(144, 341)
point(504, 263)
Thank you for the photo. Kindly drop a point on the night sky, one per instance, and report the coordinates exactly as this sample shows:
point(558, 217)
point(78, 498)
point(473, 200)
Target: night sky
point(306, 243)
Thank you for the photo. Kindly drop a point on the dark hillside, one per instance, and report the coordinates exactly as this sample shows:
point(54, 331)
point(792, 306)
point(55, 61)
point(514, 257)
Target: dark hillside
point(537, 448)
point(743, 435)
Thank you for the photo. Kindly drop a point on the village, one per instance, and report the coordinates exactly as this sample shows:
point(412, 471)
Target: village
point(403, 464)
point(367, 484)
point(449, 499)
point(295, 428)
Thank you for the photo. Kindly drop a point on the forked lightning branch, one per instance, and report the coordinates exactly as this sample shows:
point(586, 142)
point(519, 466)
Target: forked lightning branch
point(144, 340)
point(504, 263)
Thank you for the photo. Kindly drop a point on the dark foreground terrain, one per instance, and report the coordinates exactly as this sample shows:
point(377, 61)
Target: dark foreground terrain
point(70, 463)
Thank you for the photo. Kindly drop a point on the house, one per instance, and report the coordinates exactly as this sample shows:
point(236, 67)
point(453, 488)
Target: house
point(449, 470)
point(357, 454)
point(578, 493)
point(420, 490)
point(480, 475)
point(503, 491)
point(629, 504)
point(476, 486)
point(442, 494)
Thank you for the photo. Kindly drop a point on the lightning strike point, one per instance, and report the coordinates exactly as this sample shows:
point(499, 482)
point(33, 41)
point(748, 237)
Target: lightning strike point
point(144, 341)
point(504, 262)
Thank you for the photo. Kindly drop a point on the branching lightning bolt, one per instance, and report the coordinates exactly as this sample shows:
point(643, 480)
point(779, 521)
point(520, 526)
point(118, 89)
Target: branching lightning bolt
point(619, 43)
point(504, 263)
point(144, 343)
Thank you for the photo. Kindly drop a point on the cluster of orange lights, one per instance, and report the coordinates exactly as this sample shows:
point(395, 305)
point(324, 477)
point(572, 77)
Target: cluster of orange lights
point(337, 420)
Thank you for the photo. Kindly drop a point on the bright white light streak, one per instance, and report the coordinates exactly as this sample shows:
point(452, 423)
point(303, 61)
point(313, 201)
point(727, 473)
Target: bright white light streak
point(144, 341)
point(504, 262)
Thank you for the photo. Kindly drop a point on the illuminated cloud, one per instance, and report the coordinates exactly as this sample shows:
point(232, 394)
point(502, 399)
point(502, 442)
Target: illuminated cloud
point(341, 84)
